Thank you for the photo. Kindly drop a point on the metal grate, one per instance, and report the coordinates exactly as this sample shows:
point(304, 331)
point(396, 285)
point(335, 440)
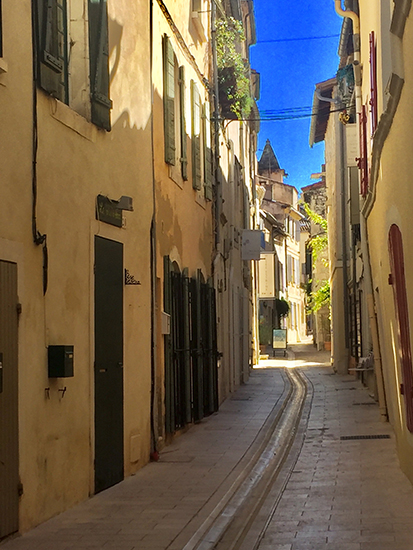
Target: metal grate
point(367, 403)
point(351, 437)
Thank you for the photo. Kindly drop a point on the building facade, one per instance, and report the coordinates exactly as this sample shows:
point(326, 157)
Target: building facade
point(371, 137)
point(281, 202)
point(75, 281)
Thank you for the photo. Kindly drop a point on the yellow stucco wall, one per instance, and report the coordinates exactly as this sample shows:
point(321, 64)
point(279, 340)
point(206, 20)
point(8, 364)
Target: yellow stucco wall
point(393, 206)
point(76, 162)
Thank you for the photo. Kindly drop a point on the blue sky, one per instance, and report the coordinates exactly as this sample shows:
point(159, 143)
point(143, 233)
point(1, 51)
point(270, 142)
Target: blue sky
point(289, 71)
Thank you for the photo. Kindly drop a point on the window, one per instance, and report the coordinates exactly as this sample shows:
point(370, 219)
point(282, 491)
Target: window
point(99, 63)
point(289, 269)
point(52, 48)
point(373, 82)
point(363, 160)
point(196, 136)
point(57, 36)
point(184, 158)
point(175, 136)
point(169, 100)
point(207, 151)
point(398, 281)
point(174, 99)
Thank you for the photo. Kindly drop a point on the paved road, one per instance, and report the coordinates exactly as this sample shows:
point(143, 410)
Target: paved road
point(333, 493)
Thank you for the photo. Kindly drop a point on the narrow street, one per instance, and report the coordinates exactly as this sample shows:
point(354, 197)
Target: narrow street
point(240, 480)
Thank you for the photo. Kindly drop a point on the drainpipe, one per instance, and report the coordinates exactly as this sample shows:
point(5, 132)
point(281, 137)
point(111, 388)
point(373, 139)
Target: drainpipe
point(363, 222)
point(218, 190)
point(343, 203)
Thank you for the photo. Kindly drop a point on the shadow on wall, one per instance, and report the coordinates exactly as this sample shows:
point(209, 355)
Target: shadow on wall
point(184, 216)
point(115, 40)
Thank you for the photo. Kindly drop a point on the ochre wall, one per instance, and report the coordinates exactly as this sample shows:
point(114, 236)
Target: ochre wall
point(75, 162)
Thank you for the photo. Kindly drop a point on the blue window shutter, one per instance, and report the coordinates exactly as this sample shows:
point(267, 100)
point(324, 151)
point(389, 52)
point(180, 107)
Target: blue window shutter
point(196, 136)
point(169, 100)
point(99, 64)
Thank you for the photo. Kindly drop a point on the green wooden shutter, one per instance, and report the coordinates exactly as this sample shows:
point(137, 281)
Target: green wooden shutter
point(187, 345)
point(196, 136)
point(207, 152)
point(52, 52)
point(99, 64)
point(167, 307)
point(169, 100)
point(184, 158)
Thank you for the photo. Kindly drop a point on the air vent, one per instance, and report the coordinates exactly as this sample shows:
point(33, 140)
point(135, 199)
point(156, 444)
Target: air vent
point(354, 437)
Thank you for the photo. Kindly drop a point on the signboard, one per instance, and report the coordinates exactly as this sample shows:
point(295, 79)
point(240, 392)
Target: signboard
point(108, 212)
point(279, 338)
point(352, 142)
point(266, 275)
point(251, 244)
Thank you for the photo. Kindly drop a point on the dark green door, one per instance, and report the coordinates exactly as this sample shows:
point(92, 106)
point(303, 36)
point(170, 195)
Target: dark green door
point(109, 280)
point(9, 449)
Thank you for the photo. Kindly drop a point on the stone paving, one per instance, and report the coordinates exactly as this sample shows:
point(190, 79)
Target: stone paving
point(342, 494)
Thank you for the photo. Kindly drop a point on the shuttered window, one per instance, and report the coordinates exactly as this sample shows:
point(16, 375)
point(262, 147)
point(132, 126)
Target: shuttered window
point(184, 158)
point(169, 100)
point(52, 59)
point(373, 83)
point(196, 136)
point(398, 280)
point(289, 268)
point(207, 151)
point(363, 160)
point(99, 63)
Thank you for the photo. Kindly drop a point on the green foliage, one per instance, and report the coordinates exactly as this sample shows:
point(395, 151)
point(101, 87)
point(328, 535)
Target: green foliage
point(320, 297)
point(316, 218)
point(319, 243)
point(235, 82)
point(283, 307)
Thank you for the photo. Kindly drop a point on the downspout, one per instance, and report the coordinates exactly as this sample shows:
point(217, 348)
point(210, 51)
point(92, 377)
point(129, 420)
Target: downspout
point(343, 202)
point(378, 367)
point(154, 453)
point(218, 190)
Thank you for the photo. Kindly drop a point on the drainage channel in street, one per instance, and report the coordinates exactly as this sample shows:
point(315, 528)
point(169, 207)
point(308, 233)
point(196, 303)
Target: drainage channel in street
point(233, 521)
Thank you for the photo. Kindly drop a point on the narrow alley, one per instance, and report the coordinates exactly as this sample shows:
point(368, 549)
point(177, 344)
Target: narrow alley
point(339, 486)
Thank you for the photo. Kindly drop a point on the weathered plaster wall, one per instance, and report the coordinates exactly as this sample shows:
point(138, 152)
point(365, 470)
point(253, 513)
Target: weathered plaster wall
point(75, 163)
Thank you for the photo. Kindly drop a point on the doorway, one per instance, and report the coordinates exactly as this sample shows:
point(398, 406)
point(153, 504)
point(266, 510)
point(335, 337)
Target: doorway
point(109, 281)
point(9, 444)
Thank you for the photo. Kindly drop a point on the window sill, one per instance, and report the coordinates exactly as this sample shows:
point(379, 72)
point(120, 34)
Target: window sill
point(3, 66)
point(174, 174)
point(196, 20)
point(200, 199)
point(69, 118)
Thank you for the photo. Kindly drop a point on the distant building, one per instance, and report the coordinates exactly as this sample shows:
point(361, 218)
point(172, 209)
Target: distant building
point(280, 202)
point(317, 270)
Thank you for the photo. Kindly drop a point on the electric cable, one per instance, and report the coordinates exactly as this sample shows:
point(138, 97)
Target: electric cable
point(297, 39)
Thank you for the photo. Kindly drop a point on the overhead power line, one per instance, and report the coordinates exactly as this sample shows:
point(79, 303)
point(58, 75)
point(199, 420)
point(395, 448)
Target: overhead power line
point(297, 39)
point(287, 116)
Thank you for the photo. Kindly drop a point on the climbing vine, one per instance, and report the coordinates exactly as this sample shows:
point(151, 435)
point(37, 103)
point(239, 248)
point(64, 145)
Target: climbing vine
point(233, 70)
point(319, 243)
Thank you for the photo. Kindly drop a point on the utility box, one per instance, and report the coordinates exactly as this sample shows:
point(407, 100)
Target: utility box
point(60, 361)
point(166, 323)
